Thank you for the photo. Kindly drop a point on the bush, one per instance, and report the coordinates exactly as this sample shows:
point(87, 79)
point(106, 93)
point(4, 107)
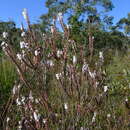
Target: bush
point(62, 88)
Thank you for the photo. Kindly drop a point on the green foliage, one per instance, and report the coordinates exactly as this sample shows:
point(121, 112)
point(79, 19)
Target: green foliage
point(13, 33)
point(114, 40)
point(119, 74)
point(7, 78)
point(84, 18)
point(124, 23)
point(75, 10)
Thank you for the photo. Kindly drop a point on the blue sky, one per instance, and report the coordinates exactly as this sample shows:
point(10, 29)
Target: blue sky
point(11, 9)
point(122, 8)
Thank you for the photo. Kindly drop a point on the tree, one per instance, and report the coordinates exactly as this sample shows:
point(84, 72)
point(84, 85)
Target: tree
point(75, 10)
point(124, 24)
point(89, 22)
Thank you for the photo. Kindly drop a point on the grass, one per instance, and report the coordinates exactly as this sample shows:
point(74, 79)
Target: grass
point(7, 80)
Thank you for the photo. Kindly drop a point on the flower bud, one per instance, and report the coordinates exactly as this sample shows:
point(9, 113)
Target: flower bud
point(5, 34)
point(60, 16)
point(74, 59)
point(25, 14)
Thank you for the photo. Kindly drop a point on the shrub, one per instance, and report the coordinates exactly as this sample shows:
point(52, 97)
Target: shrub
point(61, 88)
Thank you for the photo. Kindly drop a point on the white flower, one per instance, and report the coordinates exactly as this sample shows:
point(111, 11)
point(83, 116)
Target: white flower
point(94, 117)
point(15, 89)
point(66, 106)
point(5, 34)
point(104, 72)
point(19, 56)
point(52, 29)
point(69, 40)
point(95, 113)
point(18, 70)
point(36, 116)
point(23, 53)
point(60, 16)
point(68, 26)
point(31, 117)
point(125, 72)
point(85, 67)
point(3, 48)
point(36, 53)
point(21, 27)
point(36, 100)
point(23, 99)
point(101, 55)
point(30, 96)
point(19, 86)
point(53, 21)
point(50, 63)
point(18, 102)
point(3, 44)
point(7, 119)
point(23, 34)
point(59, 53)
point(20, 126)
point(26, 45)
point(22, 44)
point(92, 74)
point(74, 59)
point(97, 84)
point(105, 88)
point(126, 99)
point(58, 76)
point(81, 128)
point(44, 121)
point(25, 14)
point(108, 115)
point(44, 34)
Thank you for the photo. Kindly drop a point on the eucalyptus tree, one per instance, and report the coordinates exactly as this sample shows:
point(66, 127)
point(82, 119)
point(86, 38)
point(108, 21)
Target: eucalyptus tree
point(84, 16)
point(124, 23)
point(76, 10)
